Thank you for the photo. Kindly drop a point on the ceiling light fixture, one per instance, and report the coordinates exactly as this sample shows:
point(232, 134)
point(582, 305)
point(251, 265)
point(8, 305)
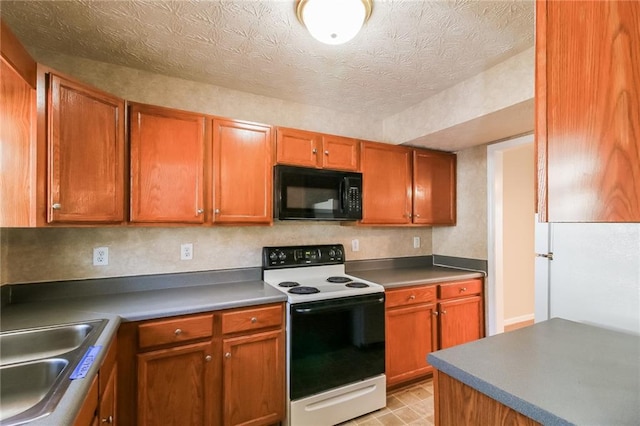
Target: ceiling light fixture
point(333, 21)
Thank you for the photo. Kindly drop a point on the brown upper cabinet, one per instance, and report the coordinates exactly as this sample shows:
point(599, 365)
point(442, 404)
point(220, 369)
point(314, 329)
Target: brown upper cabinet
point(434, 187)
point(310, 149)
point(588, 110)
point(167, 165)
point(85, 151)
point(17, 132)
point(403, 185)
point(242, 169)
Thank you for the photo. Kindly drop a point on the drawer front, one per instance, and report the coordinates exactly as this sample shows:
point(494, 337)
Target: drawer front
point(410, 296)
point(460, 289)
point(251, 319)
point(175, 330)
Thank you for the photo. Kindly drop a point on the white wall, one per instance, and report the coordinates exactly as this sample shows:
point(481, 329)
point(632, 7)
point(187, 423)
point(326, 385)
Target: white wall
point(595, 274)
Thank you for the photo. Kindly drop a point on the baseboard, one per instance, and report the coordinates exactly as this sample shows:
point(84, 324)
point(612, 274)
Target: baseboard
point(516, 320)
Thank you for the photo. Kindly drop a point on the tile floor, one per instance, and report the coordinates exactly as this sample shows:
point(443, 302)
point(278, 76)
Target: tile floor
point(411, 405)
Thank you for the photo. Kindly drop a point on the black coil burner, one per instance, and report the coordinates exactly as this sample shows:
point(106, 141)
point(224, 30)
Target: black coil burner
point(357, 285)
point(304, 290)
point(339, 280)
point(289, 284)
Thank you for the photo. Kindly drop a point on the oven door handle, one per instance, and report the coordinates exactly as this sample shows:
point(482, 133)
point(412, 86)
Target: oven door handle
point(339, 306)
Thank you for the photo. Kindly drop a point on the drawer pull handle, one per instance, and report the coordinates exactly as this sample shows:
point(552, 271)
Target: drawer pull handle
point(207, 358)
point(177, 332)
point(412, 297)
point(463, 289)
point(227, 355)
point(254, 320)
point(108, 420)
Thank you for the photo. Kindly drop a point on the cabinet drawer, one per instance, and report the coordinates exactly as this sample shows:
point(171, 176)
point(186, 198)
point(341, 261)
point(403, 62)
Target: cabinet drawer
point(410, 296)
point(460, 289)
point(251, 319)
point(175, 330)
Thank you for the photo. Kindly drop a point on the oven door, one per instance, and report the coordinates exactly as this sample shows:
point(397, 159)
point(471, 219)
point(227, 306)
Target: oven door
point(335, 342)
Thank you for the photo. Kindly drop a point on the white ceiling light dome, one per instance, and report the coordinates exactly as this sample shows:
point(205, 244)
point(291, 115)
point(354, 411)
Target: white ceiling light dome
point(333, 21)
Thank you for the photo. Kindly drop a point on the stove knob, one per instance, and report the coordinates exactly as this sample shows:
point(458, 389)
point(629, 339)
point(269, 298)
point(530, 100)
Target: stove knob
point(282, 256)
point(338, 252)
point(332, 253)
point(273, 255)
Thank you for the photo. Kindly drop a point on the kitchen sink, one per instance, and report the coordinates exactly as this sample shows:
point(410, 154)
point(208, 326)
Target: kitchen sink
point(35, 367)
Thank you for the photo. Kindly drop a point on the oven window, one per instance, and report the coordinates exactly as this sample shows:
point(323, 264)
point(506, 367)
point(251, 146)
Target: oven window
point(335, 342)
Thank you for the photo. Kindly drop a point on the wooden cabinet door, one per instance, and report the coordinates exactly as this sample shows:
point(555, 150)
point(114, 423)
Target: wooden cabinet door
point(297, 147)
point(411, 335)
point(175, 386)
point(340, 153)
point(18, 148)
point(386, 186)
point(85, 133)
point(460, 321)
point(107, 407)
point(253, 379)
point(167, 165)
point(434, 188)
point(588, 110)
point(242, 169)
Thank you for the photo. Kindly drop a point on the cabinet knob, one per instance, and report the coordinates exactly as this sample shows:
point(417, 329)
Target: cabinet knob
point(254, 320)
point(435, 313)
point(207, 358)
point(463, 289)
point(315, 151)
point(56, 206)
point(200, 211)
point(412, 297)
point(108, 420)
point(227, 355)
point(217, 211)
point(177, 332)
point(326, 153)
point(417, 215)
point(443, 312)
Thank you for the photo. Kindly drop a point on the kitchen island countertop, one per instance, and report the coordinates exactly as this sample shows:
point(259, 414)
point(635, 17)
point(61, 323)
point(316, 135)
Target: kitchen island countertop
point(557, 372)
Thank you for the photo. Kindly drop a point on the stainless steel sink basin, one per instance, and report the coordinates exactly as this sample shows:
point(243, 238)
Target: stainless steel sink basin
point(45, 342)
point(24, 385)
point(35, 365)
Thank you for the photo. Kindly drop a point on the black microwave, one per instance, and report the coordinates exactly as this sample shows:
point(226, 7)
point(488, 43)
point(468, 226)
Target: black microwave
point(315, 194)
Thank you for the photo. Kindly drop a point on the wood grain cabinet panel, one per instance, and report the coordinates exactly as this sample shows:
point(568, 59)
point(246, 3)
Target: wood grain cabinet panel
point(86, 151)
point(18, 149)
point(460, 321)
point(411, 335)
point(386, 186)
point(174, 386)
point(340, 153)
point(297, 147)
point(167, 165)
point(588, 110)
point(434, 188)
point(242, 169)
point(253, 379)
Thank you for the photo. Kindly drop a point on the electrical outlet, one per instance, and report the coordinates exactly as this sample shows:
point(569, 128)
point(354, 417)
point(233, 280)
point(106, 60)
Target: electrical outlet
point(355, 245)
point(186, 251)
point(416, 242)
point(100, 256)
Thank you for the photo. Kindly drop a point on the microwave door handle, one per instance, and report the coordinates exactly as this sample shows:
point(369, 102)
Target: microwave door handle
point(343, 194)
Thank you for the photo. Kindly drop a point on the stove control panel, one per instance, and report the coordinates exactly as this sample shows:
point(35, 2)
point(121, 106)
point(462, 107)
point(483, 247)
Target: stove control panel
point(296, 256)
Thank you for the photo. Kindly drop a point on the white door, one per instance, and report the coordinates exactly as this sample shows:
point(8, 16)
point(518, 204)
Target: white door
point(544, 255)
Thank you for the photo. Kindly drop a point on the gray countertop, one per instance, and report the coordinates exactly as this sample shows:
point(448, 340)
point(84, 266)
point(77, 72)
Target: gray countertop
point(128, 306)
point(557, 372)
point(401, 277)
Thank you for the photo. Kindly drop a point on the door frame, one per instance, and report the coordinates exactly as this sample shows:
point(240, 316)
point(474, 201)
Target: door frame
point(495, 249)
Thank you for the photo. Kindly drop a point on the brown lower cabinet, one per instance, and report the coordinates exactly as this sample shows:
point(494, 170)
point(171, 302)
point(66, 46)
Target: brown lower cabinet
point(99, 406)
point(217, 368)
point(423, 318)
point(458, 404)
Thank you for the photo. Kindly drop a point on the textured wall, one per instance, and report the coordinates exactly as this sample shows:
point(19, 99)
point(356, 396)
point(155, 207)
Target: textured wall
point(469, 237)
point(156, 89)
point(31, 255)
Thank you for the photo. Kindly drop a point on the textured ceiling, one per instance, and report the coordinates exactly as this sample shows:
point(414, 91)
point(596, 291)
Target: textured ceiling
point(408, 51)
